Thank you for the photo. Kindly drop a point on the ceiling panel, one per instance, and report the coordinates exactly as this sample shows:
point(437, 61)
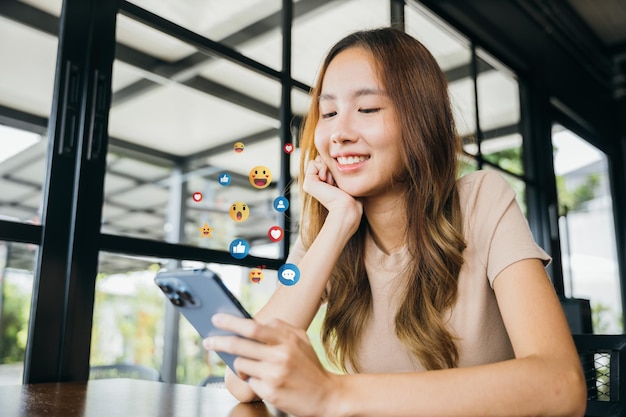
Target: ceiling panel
point(27, 69)
point(181, 121)
point(607, 18)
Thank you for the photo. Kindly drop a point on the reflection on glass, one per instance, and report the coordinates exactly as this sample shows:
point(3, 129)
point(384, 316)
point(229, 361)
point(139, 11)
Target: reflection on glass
point(586, 228)
point(499, 114)
point(16, 288)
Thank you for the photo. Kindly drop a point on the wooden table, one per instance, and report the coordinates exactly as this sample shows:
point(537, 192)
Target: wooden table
point(124, 398)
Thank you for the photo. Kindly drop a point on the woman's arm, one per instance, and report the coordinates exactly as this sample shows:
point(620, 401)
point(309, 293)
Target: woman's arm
point(298, 304)
point(544, 379)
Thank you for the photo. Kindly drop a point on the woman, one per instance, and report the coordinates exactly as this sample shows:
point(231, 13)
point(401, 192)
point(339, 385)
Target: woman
point(421, 271)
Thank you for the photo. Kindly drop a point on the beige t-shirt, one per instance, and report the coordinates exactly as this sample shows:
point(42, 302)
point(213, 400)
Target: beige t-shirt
point(497, 235)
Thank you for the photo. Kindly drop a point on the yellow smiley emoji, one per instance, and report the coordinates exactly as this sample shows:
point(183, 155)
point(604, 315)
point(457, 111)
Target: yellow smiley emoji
point(239, 147)
point(260, 177)
point(239, 211)
point(256, 276)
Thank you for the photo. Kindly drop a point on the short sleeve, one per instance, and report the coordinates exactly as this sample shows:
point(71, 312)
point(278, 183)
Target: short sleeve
point(496, 224)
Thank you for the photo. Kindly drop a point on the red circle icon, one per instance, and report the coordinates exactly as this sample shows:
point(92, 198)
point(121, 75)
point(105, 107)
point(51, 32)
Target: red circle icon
point(275, 234)
point(288, 148)
point(197, 196)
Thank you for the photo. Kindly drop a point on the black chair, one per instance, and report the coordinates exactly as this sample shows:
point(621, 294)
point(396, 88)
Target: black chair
point(604, 363)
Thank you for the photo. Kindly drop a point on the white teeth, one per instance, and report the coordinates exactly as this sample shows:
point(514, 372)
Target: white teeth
point(349, 160)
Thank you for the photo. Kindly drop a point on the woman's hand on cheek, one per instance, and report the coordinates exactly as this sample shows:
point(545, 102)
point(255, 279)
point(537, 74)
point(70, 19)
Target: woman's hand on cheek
point(279, 363)
point(319, 182)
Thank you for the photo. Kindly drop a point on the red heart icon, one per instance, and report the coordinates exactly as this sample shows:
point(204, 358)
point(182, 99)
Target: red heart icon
point(275, 234)
point(288, 148)
point(197, 196)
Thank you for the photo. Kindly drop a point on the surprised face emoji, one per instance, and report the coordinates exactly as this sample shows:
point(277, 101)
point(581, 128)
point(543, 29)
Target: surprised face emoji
point(239, 211)
point(260, 176)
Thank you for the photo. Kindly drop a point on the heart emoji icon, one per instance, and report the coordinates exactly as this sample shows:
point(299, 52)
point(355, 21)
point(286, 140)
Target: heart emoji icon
point(275, 234)
point(288, 148)
point(197, 196)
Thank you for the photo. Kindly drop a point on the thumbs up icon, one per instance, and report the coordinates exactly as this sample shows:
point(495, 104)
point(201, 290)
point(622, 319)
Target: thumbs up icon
point(224, 179)
point(239, 248)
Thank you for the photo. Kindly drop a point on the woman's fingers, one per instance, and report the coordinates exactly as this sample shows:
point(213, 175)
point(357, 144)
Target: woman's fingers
point(256, 338)
point(258, 349)
point(267, 333)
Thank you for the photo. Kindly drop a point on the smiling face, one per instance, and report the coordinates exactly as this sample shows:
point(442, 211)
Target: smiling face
point(260, 176)
point(256, 275)
point(357, 134)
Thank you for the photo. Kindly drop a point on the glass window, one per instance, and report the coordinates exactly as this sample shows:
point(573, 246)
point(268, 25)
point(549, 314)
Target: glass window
point(128, 327)
point(16, 290)
point(586, 228)
point(128, 316)
point(250, 26)
point(454, 55)
point(128, 324)
point(315, 33)
point(198, 124)
point(26, 85)
point(499, 114)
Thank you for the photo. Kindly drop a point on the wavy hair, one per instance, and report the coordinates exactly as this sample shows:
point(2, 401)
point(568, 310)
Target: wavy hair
point(418, 90)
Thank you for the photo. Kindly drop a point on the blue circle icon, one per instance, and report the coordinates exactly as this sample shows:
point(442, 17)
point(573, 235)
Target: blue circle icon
point(281, 204)
point(288, 274)
point(239, 248)
point(224, 179)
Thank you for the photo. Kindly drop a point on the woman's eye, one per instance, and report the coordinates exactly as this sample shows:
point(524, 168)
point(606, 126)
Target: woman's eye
point(370, 110)
point(328, 115)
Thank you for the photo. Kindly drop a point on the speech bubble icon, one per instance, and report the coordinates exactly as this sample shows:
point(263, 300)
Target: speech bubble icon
point(288, 274)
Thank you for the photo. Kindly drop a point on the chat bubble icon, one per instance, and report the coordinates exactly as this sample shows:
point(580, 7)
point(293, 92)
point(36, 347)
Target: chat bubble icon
point(288, 274)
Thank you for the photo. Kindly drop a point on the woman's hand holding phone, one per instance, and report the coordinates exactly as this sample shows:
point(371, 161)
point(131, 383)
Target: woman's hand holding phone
point(279, 364)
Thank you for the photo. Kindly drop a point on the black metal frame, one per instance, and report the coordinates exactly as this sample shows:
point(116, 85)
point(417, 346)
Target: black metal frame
point(60, 333)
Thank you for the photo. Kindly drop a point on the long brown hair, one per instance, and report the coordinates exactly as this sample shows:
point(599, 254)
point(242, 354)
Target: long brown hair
point(418, 90)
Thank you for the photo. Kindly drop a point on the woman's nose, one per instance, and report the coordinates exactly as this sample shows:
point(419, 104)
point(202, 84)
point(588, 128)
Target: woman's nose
point(342, 136)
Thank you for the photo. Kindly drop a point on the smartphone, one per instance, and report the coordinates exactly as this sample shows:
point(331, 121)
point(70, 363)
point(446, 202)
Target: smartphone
point(199, 294)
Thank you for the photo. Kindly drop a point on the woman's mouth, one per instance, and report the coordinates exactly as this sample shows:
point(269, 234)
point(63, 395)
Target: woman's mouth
point(351, 160)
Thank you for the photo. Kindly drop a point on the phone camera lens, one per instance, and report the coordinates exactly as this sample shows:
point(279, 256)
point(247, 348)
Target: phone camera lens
point(186, 295)
point(166, 288)
point(177, 301)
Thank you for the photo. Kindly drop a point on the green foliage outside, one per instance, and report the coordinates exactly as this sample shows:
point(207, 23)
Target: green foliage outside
point(602, 316)
point(507, 159)
point(13, 323)
point(574, 200)
point(124, 327)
